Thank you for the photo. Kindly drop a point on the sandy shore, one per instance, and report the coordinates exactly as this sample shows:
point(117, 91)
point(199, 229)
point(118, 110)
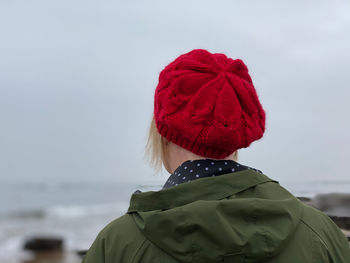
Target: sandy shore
point(51, 257)
point(55, 257)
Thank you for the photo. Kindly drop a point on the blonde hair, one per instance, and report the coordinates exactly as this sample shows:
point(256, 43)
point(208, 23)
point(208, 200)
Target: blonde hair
point(154, 151)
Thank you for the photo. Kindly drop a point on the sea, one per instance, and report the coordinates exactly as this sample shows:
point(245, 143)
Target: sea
point(77, 212)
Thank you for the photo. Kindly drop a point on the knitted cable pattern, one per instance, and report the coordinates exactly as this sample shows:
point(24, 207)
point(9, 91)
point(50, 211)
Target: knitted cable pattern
point(207, 104)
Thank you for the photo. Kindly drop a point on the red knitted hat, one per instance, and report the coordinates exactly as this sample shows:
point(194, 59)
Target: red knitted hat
point(207, 104)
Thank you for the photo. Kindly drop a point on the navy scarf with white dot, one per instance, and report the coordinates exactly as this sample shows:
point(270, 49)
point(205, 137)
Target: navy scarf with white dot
point(195, 169)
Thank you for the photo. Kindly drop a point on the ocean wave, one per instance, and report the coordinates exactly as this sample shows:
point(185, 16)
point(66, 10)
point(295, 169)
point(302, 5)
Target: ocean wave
point(10, 250)
point(73, 211)
point(67, 211)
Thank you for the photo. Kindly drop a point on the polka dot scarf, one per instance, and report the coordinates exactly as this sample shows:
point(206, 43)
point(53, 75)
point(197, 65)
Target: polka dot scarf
point(195, 169)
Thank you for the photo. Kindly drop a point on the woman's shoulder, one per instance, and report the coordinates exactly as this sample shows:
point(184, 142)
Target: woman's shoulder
point(122, 230)
point(123, 227)
point(119, 238)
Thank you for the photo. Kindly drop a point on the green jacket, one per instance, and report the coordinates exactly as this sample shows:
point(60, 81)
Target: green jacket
point(238, 217)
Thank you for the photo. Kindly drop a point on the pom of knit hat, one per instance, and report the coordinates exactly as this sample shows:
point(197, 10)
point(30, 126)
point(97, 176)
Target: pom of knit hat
point(206, 103)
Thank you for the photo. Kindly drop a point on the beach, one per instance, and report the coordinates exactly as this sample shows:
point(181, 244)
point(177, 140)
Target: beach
point(53, 257)
point(72, 212)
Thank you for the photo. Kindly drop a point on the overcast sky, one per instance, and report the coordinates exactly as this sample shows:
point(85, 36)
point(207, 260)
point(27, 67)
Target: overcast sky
point(77, 80)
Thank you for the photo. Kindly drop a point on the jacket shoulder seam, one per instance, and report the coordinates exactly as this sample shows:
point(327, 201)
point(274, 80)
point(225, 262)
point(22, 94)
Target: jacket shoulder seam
point(138, 249)
point(313, 231)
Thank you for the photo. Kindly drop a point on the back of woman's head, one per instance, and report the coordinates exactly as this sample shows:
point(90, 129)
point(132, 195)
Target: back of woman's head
point(207, 104)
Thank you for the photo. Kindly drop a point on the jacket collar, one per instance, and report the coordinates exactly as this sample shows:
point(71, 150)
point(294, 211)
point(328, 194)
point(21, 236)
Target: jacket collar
point(195, 169)
point(209, 188)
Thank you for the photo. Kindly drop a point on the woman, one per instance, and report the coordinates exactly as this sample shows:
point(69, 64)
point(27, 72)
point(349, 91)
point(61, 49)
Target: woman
point(212, 208)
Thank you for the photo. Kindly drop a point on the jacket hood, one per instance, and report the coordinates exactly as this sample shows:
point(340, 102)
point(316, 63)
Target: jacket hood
point(218, 219)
